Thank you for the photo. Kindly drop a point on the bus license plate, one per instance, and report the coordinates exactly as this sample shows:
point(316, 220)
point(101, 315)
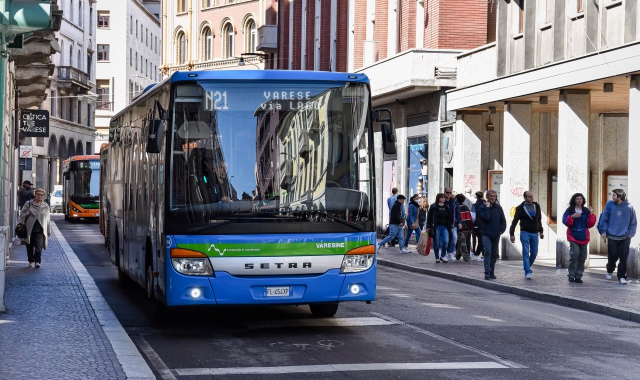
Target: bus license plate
point(277, 291)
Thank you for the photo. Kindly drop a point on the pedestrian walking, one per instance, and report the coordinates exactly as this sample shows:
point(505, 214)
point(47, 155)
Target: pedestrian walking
point(454, 210)
point(396, 224)
point(529, 215)
point(413, 223)
point(578, 218)
point(392, 199)
point(477, 246)
point(493, 225)
point(25, 193)
point(422, 212)
point(439, 227)
point(36, 215)
point(462, 249)
point(617, 226)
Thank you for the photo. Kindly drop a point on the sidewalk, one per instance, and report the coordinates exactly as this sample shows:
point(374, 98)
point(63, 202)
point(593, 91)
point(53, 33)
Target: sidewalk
point(596, 294)
point(58, 325)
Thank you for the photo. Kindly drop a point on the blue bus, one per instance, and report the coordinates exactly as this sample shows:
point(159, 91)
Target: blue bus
point(246, 187)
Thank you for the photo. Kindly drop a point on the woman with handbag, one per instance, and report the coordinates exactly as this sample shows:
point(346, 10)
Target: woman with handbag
point(412, 220)
point(439, 225)
point(36, 215)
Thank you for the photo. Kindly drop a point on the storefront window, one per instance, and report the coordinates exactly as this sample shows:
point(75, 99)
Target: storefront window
point(418, 161)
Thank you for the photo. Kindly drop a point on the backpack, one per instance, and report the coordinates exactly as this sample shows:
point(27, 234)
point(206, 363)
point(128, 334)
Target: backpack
point(467, 219)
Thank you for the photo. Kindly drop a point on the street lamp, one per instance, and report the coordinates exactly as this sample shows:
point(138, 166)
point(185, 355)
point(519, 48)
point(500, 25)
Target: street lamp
point(259, 55)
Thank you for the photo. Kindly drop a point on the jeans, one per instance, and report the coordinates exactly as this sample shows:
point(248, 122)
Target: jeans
point(454, 240)
point(416, 231)
point(529, 242)
point(618, 249)
point(34, 248)
point(577, 257)
point(478, 247)
point(441, 241)
point(490, 254)
point(394, 231)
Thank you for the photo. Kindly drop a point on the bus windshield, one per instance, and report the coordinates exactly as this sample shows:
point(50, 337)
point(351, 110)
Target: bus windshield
point(84, 181)
point(271, 150)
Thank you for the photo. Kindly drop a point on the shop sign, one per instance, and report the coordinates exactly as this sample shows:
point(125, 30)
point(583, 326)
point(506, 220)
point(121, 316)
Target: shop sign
point(448, 145)
point(34, 123)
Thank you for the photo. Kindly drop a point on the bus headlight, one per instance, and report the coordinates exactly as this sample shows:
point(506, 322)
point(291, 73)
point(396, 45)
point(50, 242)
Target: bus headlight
point(192, 266)
point(356, 263)
point(358, 259)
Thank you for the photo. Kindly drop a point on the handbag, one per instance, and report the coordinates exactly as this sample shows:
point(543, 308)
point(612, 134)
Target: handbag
point(415, 225)
point(432, 231)
point(21, 231)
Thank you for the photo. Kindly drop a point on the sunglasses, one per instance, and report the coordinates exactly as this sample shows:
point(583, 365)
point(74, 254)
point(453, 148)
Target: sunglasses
point(447, 192)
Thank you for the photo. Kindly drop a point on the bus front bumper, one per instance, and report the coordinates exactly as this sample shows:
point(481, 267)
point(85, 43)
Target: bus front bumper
point(225, 289)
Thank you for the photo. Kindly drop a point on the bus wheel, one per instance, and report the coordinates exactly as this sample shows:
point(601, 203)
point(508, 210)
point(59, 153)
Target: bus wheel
point(324, 309)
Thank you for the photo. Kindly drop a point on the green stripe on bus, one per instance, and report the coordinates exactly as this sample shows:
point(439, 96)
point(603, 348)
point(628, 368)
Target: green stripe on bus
point(273, 249)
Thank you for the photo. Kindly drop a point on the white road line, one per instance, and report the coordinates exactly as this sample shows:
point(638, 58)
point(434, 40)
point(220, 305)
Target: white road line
point(441, 305)
point(130, 359)
point(320, 322)
point(335, 368)
point(158, 364)
point(496, 358)
point(488, 318)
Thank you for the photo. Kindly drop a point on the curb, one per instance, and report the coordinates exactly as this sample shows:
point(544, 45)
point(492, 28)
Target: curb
point(572, 302)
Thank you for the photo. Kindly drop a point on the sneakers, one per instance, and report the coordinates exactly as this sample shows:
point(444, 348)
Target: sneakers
point(609, 276)
point(487, 277)
point(528, 276)
point(404, 250)
point(37, 265)
point(493, 277)
point(452, 257)
point(623, 281)
point(444, 259)
point(579, 281)
point(30, 263)
point(571, 279)
point(481, 258)
point(437, 261)
point(473, 256)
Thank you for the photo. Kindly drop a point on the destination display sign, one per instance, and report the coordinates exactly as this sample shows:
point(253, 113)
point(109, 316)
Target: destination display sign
point(34, 123)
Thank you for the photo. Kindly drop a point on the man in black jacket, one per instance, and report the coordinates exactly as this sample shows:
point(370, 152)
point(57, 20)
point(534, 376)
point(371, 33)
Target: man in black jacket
point(530, 217)
point(396, 224)
point(493, 225)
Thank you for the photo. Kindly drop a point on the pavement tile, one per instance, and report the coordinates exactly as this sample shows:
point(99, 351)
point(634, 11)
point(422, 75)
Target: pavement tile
point(50, 314)
point(549, 284)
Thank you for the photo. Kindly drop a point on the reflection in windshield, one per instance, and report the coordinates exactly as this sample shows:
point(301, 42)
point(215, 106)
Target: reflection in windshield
point(246, 152)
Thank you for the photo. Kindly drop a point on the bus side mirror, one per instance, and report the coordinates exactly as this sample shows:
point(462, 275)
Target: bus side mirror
point(388, 138)
point(154, 141)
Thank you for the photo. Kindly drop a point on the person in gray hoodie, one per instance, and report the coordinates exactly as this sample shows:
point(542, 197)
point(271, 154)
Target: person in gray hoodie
point(618, 225)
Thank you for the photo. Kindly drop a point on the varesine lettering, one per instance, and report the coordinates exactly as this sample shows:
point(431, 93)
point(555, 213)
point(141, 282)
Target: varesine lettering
point(329, 245)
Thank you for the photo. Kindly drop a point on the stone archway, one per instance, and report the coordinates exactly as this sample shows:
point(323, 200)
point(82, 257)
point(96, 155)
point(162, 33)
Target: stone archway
point(72, 148)
point(53, 146)
point(79, 148)
point(62, 148)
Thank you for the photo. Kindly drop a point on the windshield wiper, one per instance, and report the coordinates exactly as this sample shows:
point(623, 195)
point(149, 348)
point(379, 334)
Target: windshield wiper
point(207, 226)
point(343, 221)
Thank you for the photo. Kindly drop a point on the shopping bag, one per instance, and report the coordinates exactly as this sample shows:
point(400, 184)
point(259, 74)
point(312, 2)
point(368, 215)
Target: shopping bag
point(424, 244)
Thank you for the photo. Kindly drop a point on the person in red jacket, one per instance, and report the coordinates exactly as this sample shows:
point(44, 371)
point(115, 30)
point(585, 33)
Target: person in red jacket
point(578, 218)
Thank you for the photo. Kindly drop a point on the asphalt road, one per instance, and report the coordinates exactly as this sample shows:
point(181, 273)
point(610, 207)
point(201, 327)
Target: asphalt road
point(419, 327)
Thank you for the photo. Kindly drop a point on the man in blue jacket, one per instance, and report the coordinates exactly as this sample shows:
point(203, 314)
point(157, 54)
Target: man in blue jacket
point(617, 225)
point(454, 209)
point(493, 225)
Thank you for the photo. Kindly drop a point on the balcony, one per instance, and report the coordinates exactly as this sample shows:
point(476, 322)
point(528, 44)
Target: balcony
point(286, 173)
point(416, 72)
point(267, 38)
point(251, 63)
point(69, 77)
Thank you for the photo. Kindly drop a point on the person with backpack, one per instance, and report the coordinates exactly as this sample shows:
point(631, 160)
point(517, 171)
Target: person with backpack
point(578, 219)
point(529, 216)
point(412, 220)
point(617, 225)
point(462, 249)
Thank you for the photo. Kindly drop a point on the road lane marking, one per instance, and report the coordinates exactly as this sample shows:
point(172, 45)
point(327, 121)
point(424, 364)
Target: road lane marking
point(496, 358)
point(320, 322)
point(488, 318)
point(335, 368)
point(155, 360)
point(441, 305)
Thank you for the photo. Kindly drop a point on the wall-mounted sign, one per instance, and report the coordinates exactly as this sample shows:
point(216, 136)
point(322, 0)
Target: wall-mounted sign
point(34, 123)
point(26, 151)
point(448, 144)
point(494, 180)
point(612, 181)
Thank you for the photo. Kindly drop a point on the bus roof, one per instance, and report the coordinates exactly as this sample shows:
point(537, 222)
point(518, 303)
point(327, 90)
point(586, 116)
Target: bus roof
point(81, 158)
point(297, 75)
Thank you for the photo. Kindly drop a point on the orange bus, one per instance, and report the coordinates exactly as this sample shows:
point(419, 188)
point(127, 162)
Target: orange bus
point(80, 187)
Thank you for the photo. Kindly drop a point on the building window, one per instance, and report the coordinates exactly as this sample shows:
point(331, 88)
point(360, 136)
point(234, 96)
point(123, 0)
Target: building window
point(207, 39)
point(90, 19)
point(146, 67)
point(251, 37)
point(88, 120)
point(53, 103)
point(71, 55)
point(79, 59)
point(156, 44)
point(136, 61)
point(182, 49)
point(79, 112)
point(88, 143)
point(131, 57)
point(227, 40)
point(71, 11)
point(182, 6)
point(146, 37)
point(89, 63)
point(136, 28)
point(103, 94)
point(521, 16)
point(130, 91)
point(103, 52)
point(580, 6)
point(104, 17)
point(80, 13)
point(131, 24)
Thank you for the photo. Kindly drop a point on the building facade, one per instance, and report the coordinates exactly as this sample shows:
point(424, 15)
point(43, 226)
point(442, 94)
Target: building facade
point(551, 106)
point(125, 69)
point(214, 34)
point(71, 98)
